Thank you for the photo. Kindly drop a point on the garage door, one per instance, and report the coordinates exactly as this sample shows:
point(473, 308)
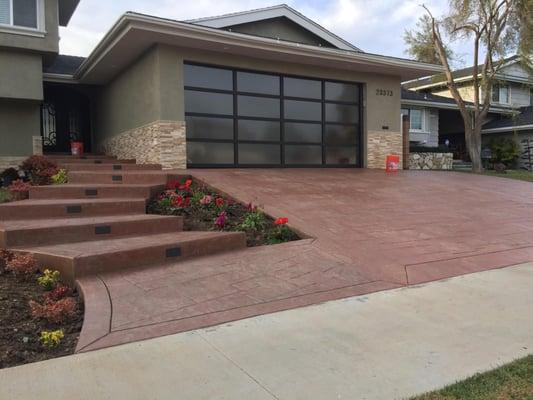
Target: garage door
point(238, 118)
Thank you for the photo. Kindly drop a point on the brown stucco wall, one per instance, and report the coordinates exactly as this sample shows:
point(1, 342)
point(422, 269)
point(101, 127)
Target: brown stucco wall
point(280, 28)
point(21, 75)
point(19, 122)
point(47, 42)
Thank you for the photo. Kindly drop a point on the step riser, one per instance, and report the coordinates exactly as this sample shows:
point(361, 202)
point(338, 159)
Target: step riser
point(73, 268)
point(96, 231)
point(111, 167)
point(69, 156)
point(24, 212)
point(65, 192)
point(94, 161)
point(130, 178)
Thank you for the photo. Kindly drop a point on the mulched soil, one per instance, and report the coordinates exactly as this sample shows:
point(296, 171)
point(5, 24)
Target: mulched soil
point(201, 218)
point(19, 331)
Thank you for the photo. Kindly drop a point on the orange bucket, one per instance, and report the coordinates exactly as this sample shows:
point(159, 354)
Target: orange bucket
point(76, 148)
point(392, 163)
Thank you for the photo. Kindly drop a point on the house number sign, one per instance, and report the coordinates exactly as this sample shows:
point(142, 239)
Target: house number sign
point(384, 92)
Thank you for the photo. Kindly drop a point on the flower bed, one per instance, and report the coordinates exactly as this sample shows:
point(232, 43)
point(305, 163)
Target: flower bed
point(39, 317)
point(205, 209)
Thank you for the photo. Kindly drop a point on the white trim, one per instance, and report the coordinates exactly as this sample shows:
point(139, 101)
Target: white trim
point(282, 10)
point(449, 106)
point(59, 78)
point(508, 129)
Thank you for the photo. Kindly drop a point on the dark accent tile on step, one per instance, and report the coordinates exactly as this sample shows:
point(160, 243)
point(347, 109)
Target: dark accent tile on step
point(117, 178)
point(74, 209)
point(102, 230)
point(98, 161)
point(117, 167)
point(173, 252)
point(91, 192)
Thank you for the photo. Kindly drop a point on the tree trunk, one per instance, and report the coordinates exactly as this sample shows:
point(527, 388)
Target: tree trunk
point(473, 144)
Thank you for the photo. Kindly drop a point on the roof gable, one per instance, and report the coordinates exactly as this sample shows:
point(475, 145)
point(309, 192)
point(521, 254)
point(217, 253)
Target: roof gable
point(276, 12)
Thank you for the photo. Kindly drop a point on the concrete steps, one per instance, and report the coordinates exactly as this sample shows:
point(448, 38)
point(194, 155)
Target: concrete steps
point(98, 222)
point(119, 177)
point(70, 230)
point(71, 208)
point(75, 260)
point(72, 166)
point(95, 191)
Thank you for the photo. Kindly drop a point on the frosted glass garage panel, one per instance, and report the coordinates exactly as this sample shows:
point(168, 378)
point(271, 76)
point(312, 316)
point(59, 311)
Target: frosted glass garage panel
point(303, 155)
point(209, 153)
point(259, 153)
point(341, 155)
point(209, 128)
point(208, 103)
point(207, 77)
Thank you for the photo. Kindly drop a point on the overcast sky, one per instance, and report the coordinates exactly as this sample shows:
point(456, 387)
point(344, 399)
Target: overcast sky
point(375, 26)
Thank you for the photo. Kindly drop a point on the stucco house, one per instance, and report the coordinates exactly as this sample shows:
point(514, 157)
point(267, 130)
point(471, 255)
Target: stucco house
point(261, 88)
point(435, 115)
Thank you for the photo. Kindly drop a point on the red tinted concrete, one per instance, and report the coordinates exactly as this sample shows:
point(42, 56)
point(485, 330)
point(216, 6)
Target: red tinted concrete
point(370, 231)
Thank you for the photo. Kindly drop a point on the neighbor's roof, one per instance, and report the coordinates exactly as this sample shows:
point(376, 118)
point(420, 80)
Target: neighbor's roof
point(281, 10)
point(64, 65)
point(459, 74)
point(65, 10)
point(521, 121)
point(411, 95)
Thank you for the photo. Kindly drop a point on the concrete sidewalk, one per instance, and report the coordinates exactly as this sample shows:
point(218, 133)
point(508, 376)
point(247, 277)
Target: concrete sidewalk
point(385, 345)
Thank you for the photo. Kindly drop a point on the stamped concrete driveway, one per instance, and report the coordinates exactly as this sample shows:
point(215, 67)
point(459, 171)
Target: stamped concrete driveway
point(367, 231)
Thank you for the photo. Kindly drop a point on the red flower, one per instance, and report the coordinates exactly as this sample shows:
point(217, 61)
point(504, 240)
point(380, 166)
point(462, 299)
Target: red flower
point(177, 201)
point(282, 221)
point(173, 184)
point(219, 202)
point(188, 184)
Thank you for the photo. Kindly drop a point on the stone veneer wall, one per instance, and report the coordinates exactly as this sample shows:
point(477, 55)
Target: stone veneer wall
point(160, 142)
point(431, 161)
point(380, 144)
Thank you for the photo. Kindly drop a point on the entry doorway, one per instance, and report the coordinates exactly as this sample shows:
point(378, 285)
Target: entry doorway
point(65, 117)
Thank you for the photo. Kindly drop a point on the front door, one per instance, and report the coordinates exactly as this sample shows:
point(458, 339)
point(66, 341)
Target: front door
point(64, 118)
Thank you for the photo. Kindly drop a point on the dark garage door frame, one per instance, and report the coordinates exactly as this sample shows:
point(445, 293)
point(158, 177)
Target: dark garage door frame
point(209, 87)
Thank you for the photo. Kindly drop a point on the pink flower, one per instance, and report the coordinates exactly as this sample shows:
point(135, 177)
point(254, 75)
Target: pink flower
point(206, 200)
point(221, 220)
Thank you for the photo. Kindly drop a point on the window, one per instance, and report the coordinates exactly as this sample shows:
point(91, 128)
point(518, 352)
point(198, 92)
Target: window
point(500, 94)
point(416, 119)
point(21, 13)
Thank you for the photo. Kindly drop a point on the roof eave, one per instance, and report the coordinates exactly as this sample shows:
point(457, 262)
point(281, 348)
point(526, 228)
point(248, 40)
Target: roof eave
point(65, 10)
point(131, 20)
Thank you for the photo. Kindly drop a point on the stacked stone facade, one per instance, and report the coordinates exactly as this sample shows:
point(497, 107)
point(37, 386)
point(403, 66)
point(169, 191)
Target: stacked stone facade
point(380, 144)
point(439, 161)
point(160, 142)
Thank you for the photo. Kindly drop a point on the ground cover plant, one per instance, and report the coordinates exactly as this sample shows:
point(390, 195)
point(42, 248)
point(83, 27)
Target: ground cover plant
point(40, 317)
point(511, 381)
point(205, 209)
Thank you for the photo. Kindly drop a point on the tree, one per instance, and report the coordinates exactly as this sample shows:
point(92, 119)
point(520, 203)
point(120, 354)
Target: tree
point(420, 43)
point(496, 28)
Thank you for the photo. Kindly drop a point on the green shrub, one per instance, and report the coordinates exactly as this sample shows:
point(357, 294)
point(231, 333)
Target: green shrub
point(505, 151)
point(60, 178)
point(49, 279)
point(254, 221)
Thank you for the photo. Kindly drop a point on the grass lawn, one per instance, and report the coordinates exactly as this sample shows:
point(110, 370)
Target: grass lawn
point(4, 196)
point(519, 174)
point(513, 381)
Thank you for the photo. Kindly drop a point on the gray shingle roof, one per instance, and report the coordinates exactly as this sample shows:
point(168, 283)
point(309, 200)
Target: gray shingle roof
point(420, 96)
point(524, 118)
point(64, 65)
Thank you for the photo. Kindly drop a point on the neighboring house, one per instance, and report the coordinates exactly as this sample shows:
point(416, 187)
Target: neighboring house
point(518, 126)
point(430, 95)
point(266, 87)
